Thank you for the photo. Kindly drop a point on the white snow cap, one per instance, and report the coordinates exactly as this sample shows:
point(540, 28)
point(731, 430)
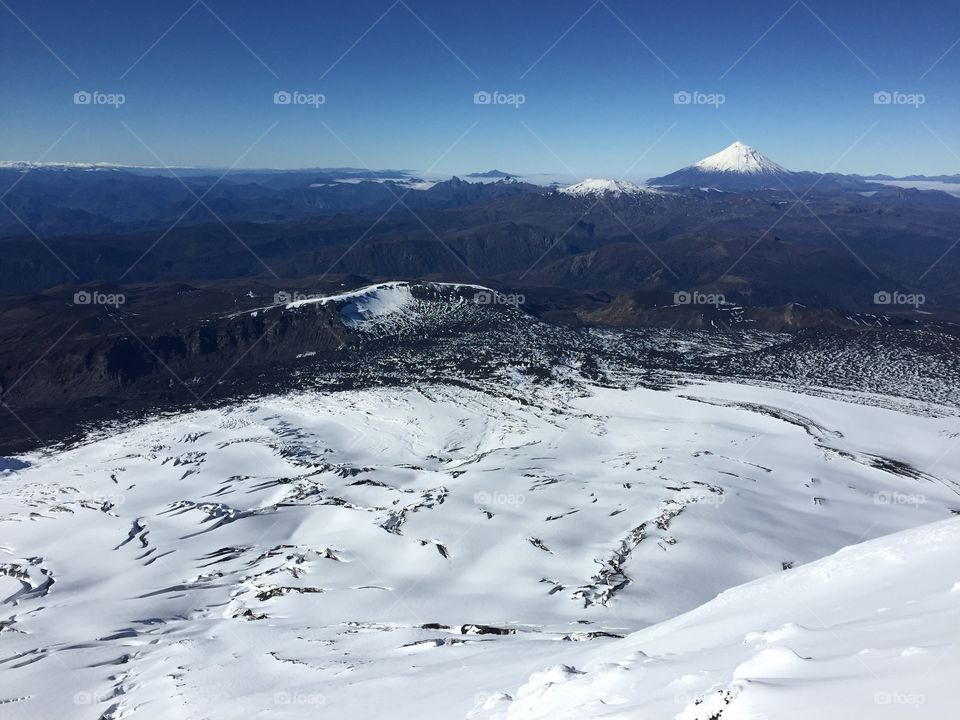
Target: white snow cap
point(740, 158)
point(605, 186)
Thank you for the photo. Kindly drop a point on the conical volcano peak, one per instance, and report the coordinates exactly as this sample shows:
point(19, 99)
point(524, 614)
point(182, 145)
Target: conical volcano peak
point(737, 167)
point(740, 158)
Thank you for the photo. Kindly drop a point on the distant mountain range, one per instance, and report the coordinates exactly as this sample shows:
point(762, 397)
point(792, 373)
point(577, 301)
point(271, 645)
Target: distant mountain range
point(491, 174)
point(736, 167)
point(925, 178)
point(726, 224)
point(190, 170)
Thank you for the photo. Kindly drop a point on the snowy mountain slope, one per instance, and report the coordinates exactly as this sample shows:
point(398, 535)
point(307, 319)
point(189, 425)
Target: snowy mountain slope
point(603, 186)
point(362, 552)
point(736, 167)
point(866, 632)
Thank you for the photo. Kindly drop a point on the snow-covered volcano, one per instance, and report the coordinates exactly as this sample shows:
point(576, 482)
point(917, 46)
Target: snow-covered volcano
point(603, 186)
point(740, 158)
point(736, 167)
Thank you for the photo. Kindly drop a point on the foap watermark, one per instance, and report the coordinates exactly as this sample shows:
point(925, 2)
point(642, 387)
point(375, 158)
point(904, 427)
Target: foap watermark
point(107, 500)
point(499, 498)
point(896, 697)
point(86, 297)
point(283, 297)
point(695, 297)
point(489, 701)
point(714, 499)
point(96, 97)
point(302, 699)
point(896, 97)
point(492, 297)
point(295, 97)
point(85, 697)
point(892, 497)
point(298, 698)
point(484, 97)
point(885, 297)
point(695, 97)
point(683, 699)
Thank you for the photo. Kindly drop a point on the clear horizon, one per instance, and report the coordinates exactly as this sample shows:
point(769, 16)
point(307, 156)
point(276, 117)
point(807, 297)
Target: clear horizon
point(572, 89)
point(475, 174)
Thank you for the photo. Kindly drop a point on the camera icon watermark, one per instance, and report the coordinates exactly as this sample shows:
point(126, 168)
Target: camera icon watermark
point(492, 297)
point(695, 97)
point(896, 97)
point(695, 297)
point(295, 97)
point(483, 97)
point(86, 297)
point(95, 97)
point(885, 297)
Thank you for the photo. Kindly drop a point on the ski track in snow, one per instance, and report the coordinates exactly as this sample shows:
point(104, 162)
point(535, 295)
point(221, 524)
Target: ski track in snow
point(445, 552)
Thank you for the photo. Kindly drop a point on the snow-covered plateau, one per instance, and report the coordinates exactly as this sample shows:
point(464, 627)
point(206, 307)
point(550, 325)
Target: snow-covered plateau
point(717, 550)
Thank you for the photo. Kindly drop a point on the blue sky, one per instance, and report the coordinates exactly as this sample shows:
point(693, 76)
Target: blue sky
point(598, 81)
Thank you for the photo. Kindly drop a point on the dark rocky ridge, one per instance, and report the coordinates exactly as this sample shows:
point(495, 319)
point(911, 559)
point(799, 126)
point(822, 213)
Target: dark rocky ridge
point(65, 369)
